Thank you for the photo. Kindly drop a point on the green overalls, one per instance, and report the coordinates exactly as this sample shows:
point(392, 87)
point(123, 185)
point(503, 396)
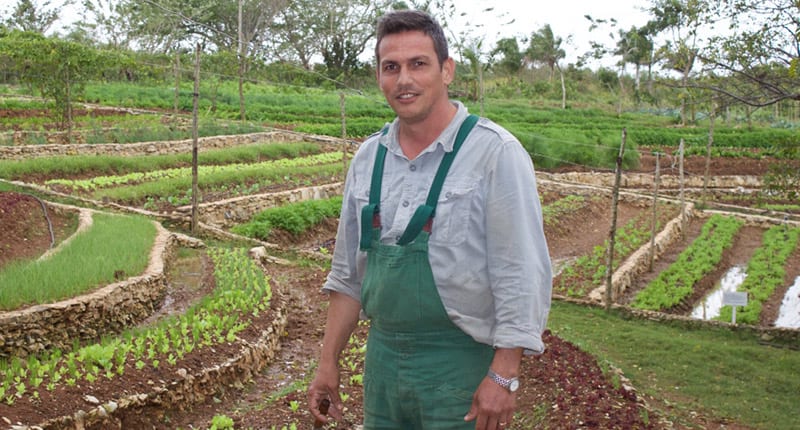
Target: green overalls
point(421, 370)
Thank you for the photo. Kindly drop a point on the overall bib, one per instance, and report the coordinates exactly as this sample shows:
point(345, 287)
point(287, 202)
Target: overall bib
point(420, 369)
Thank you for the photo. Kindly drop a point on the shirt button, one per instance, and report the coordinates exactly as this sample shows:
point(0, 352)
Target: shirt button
point(412, 167)
point(405, 204)
point(448, 194)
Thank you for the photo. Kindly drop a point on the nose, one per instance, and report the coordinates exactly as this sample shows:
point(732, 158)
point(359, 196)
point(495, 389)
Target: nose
point(403, 76)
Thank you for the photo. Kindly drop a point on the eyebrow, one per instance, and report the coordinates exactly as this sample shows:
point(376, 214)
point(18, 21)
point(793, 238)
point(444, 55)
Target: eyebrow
point(425, 58)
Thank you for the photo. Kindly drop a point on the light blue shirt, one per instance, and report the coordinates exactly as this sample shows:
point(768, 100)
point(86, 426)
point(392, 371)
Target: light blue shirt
point(487, 247)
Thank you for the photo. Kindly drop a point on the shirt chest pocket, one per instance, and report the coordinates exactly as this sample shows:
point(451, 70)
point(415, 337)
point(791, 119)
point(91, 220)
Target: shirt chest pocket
point(458, 199)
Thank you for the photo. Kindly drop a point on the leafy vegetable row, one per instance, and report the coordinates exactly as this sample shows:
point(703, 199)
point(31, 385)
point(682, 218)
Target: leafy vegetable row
point(765, 272)
point(242, 292)
point(677, 282)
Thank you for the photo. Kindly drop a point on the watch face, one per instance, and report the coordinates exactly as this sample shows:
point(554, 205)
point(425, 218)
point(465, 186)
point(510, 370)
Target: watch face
point(513, 385)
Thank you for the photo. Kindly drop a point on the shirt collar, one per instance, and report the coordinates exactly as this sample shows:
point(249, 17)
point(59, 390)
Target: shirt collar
point(446, 139)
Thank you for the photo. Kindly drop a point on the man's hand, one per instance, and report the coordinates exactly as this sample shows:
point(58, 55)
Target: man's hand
point(325, 386)
point(492, 406)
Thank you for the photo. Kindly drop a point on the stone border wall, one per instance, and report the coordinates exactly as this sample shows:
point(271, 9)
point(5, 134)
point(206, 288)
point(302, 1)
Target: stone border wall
point(110, 309)
point(191, 388)
point(23, 152)
point(227, 213)
point(644, 180)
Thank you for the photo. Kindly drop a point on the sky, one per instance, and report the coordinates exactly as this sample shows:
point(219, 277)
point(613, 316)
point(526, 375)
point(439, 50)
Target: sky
point(566, 19)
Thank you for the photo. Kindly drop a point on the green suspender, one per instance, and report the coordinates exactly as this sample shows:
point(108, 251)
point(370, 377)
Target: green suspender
point(371, 210)
point(428, 210)
point(424, 212)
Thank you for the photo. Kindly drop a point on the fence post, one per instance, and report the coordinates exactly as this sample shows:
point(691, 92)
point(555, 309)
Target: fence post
point(613, 231)
point(195, 96)
point(655, 211)
point(682, 185)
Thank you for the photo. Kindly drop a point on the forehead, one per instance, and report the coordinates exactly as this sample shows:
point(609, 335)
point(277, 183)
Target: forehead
point(397, 47)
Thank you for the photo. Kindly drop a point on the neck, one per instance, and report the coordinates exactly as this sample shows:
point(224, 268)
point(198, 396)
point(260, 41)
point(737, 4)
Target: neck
point(414, 137)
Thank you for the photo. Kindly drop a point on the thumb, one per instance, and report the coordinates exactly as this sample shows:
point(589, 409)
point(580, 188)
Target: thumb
point(472, 414)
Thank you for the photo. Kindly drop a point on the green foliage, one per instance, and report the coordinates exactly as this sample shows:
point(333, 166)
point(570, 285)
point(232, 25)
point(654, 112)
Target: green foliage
point(765, 272)
point(177, 183)
point(221, 422)
point(58, 69)
point(241, 293)
point(677, 281)
point(114, 244)
point(588, 271)
point(294, 218)
point(119, 166)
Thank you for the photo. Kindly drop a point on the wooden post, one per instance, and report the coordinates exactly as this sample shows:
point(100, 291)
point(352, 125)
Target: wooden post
point(682, 186)
point(242, 68)
point(177, 82)
point(655, 211)
point(195, 96)
point(708, 147)
point(342, 106)
point(613, 231)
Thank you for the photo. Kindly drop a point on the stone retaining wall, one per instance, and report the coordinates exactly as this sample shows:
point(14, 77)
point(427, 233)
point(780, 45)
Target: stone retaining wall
point(23, 152)
point(227, 213)
point(110, 309)
point(645, 180)
point(190, 388)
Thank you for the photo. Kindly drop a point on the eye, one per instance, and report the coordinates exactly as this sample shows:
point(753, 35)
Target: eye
point(390, 67)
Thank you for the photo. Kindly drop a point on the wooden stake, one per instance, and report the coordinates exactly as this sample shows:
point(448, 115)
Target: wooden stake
point(195, 97)
point(613, 231)
point(655, 211)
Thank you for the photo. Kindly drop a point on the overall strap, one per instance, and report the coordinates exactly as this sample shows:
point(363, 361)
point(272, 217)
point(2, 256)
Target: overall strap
point(371, 210)
point(428, 210)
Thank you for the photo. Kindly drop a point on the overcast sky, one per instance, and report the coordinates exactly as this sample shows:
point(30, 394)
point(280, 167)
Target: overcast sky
point(520, 18)
point(566, 18)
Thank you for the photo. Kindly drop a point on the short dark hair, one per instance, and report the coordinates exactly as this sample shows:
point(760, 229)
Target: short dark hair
point(413, 20)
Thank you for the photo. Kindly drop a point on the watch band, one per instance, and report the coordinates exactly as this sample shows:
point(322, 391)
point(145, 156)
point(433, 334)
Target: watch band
point(510, 384)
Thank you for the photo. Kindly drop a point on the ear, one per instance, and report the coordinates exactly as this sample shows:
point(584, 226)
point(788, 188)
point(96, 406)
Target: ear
point(448, 70)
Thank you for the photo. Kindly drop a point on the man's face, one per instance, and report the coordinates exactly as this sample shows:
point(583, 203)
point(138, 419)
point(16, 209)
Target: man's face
point(410, 76)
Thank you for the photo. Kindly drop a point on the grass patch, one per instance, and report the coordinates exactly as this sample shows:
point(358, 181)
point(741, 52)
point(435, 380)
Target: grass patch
point(714, 371)
point(113, 244)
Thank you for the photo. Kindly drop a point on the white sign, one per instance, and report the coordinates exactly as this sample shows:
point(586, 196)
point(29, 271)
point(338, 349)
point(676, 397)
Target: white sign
point(734, 298)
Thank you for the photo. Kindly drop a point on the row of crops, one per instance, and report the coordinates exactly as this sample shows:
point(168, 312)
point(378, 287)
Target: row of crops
point(152, 182)
point(241, 293)
point(669, 289)
point(553, 136)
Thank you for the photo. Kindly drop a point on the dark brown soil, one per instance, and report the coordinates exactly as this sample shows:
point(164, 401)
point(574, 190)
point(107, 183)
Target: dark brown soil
point(29, 228)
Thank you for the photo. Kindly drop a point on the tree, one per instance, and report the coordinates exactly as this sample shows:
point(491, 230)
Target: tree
point(682, 20)
point(635, 47)
point(104, 20)
point(759, 58)
point(545, 48)
point(58, 69)
point(511, 58)
point(32, 17)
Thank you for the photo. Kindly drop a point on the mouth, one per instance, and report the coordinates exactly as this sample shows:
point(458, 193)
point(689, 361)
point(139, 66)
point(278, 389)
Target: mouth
point(406, 96)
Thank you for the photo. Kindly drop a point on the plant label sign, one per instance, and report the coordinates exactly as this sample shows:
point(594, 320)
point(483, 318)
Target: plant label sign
point(734, 298)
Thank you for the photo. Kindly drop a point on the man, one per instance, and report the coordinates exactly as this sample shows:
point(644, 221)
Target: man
point(440, 244)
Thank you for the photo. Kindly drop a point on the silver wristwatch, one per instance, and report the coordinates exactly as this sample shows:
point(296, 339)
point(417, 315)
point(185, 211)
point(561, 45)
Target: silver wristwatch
point(510, 384)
